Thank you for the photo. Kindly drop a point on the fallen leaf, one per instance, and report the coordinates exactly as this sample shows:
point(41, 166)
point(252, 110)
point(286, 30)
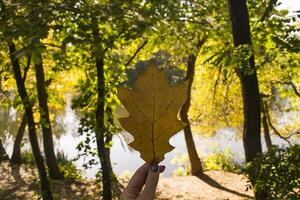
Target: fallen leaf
point(153, 105)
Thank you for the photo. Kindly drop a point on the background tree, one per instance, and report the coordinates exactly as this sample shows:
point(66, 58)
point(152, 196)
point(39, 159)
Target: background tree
point(45, 187)
point(97, 29)
point(247, 74)
point(32, 47)
point(16, 154)
point(45, 120)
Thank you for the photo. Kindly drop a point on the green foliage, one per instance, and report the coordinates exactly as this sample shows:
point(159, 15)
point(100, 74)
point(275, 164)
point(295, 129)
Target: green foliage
point(182, 171)
point(102, 33)
point(277, 172)
point(70, 171)
point(217, 160)
point(217, 104)
point(182, 160)
point(221, 161)
point(61, 157)
point(37, 195)
point(87, 124)
point(27, 158)
point(67, 167)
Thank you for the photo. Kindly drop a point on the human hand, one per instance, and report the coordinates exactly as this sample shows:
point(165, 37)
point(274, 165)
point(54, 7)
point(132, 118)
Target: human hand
point(146, 175)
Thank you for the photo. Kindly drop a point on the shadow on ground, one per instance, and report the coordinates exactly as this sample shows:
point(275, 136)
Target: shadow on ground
point(208, 180)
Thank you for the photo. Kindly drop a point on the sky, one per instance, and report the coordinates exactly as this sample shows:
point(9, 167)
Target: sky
point(291, 5)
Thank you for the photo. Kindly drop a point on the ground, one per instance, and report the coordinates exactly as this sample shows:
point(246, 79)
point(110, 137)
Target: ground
point(20, 182)
point(216, 185)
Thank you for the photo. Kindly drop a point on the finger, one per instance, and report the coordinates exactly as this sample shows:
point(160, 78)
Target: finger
point(151, 184)
point(137, 182)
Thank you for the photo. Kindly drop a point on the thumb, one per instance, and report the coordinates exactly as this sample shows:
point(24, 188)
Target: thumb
point(151, 183)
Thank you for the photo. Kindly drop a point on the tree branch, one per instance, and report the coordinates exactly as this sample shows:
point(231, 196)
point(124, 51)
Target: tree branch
point(26, 68)
point(296, 91)
point(292, 134)
point(52, 45)
point(273, 127)
point(295, 88)
point(268, 10)
point(217, 82)
point(136, 52)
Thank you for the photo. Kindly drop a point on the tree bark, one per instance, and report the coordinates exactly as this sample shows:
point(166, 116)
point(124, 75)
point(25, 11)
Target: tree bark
point(196, 166)
point(108, 140)
point(100, 131)
point(267, 133)
point(3, 154)
point(266, 125)
point(45, 186)
point(1, 90)
point(101, 136)
point(250, 90)
point(51, 161)
point(16, 155)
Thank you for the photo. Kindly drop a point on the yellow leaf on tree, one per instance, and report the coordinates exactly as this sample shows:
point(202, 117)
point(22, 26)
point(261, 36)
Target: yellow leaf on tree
point(153, 105)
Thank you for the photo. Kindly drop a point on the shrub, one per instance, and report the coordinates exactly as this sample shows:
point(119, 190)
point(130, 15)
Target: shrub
point(277, 172)
point(70, 171)
point(221, 161)
point(217, 160)
point(183, 162)
point(62, 157)
point(27, 158)
point(67, 167)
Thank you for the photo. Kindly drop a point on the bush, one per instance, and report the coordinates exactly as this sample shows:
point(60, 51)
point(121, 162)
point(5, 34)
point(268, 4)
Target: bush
point(217, 160)
point(221, 161)
point(70, 171)
point(62, 157)
point(27, 158)
point(67, 167)
point(182, 160)
point(277, 172)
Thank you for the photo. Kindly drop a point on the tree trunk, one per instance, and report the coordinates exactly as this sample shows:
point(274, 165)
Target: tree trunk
point(266, 125)
point(3, 154)
point(196, 166)
point(267, 133)
point(1, 90)
point(100, 131)
point(250, 91)
point(45, 186)
point(101, 137)
point(108, 140)
point(51, 161)
point(16, 155)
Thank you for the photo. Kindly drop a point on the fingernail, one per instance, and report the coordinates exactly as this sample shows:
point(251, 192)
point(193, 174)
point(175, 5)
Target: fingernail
point(161, 168)
point(154, 167)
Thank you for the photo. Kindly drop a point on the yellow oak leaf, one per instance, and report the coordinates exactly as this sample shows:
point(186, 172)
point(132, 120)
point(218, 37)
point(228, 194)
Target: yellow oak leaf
point(153, 105)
